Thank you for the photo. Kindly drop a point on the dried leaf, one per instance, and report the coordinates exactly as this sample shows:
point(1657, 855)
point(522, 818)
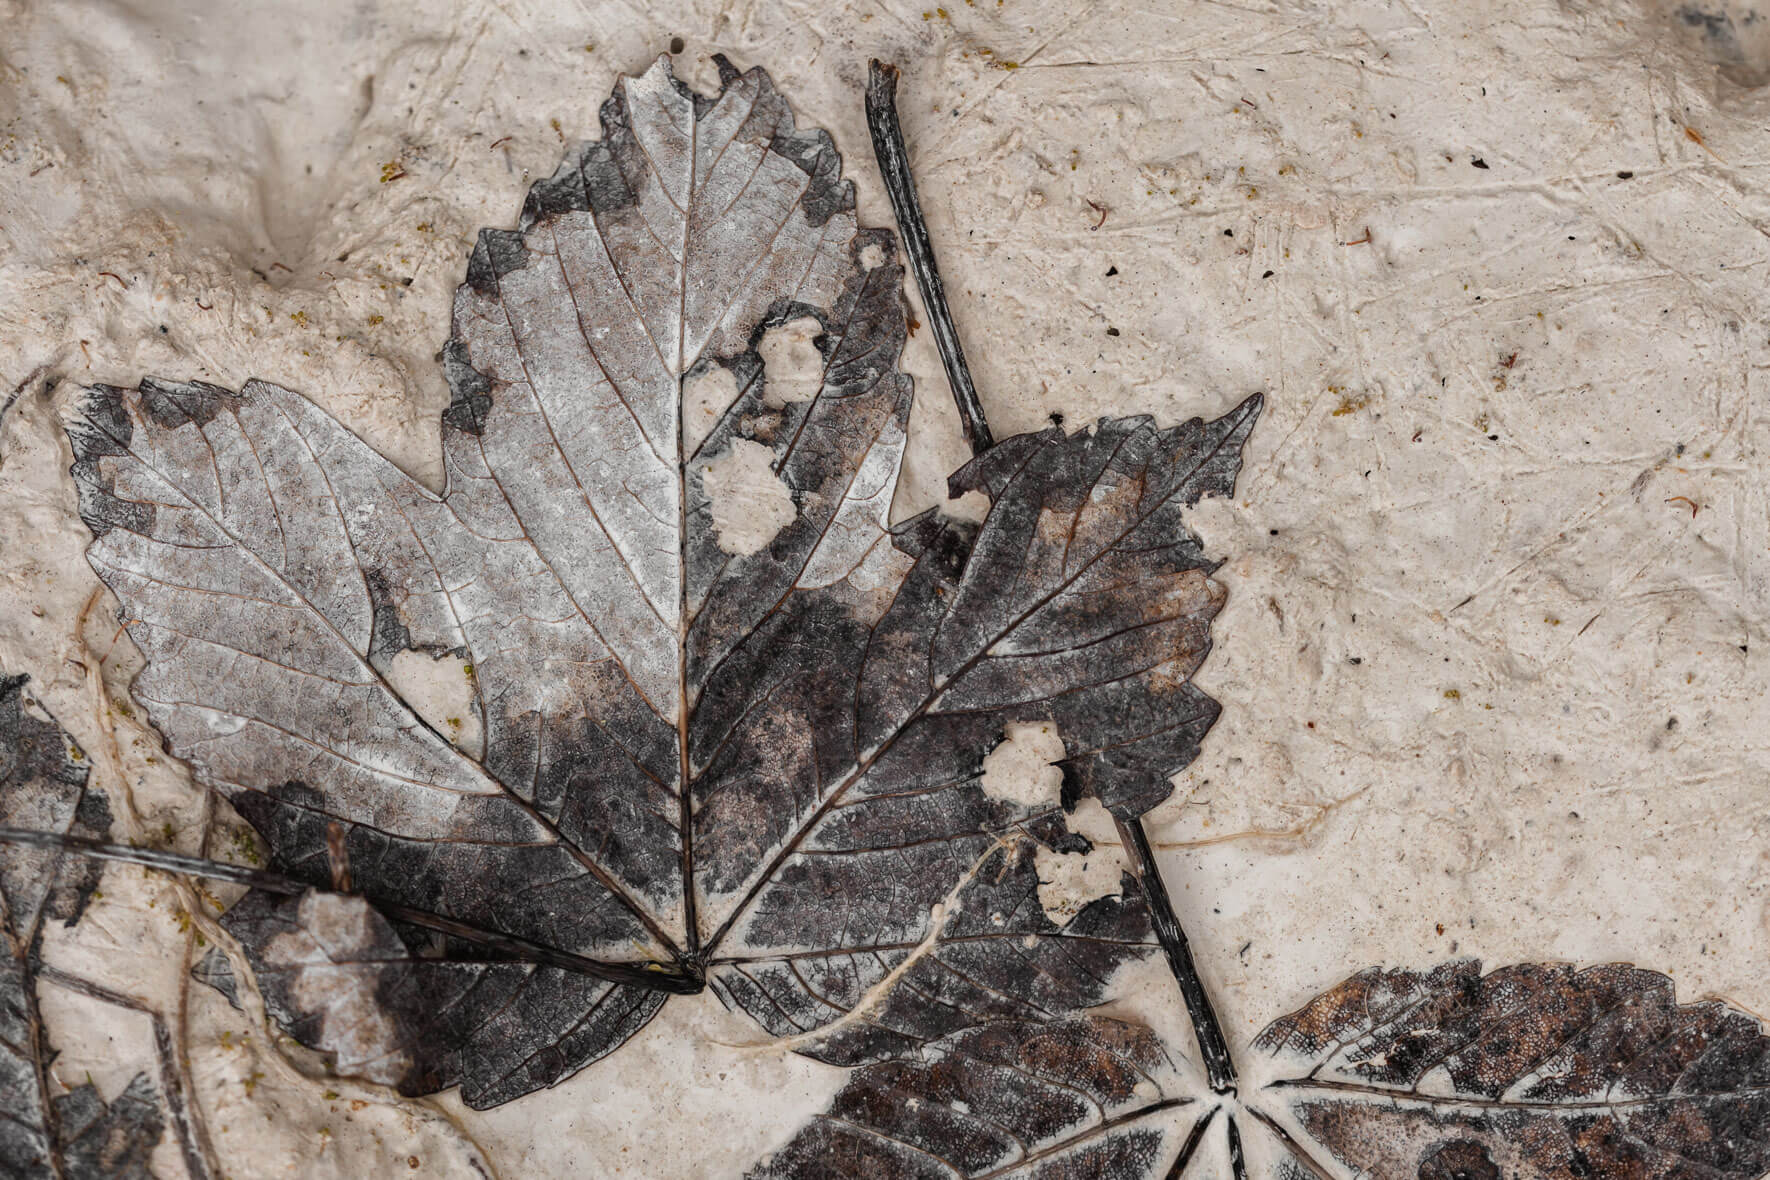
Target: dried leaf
point(653, 685)
point(1086, 1097)
point(74, 1135)
point(1532, 1072)
point(1528, 1071)
point(337, 976)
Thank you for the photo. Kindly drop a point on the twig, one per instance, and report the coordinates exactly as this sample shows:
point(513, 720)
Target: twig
point(894, 166)
point(1685, 500)
point(1190, 1147)
point(1238, 1164)
point(1219, 1067)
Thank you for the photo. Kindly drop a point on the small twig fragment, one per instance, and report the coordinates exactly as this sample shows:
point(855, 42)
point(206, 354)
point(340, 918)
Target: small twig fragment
point(337, 857)
point(894, 166)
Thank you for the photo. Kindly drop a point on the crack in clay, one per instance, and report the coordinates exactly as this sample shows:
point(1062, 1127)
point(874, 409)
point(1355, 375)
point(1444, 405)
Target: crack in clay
point(1296, 834)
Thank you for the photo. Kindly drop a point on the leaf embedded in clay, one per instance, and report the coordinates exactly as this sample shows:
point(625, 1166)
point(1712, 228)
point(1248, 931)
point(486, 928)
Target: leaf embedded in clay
point(1083, 1097)
point(109, 1141)
point(45, 1135)
point(989, 951)
point(43, 788)
point(255, 542)
point(834, 820)
point(1532, 1071)
point(653, 683)
point(336, 974)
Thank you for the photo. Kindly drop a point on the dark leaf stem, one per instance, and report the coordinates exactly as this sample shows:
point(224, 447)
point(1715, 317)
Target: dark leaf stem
point(518, 949)
point(888, 148)
point(1238, 1164)
point(1190, 1147)
point(894, 165)
point(1219, 1066)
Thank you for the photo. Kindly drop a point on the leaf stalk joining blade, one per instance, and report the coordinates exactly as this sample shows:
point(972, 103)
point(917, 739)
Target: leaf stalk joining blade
point(893, 158)
point(518, 949)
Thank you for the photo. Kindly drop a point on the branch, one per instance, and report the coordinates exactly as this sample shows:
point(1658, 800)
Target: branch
point(1219, 1067)
point(894, 165)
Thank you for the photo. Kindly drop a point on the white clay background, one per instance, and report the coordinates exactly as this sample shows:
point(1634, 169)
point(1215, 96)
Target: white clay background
point(1494, 658)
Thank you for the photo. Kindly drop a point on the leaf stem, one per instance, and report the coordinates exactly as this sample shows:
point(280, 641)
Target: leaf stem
point(894, 166)
point(1238, 1164)
point(1219, 1066)
point(519, 949)
point(1190, 1147)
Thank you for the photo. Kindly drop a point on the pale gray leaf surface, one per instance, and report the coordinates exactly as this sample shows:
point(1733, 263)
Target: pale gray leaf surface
point(733, 722)
point(43, 1135)
point(274, 569)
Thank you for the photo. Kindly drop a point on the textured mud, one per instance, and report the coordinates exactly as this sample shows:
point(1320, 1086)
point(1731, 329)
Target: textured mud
point(307, 220)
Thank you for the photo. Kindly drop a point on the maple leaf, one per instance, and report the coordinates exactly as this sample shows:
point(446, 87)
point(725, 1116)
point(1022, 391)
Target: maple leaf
point(1531, 1072)
point(1084, 1096)
point(45, 1135)
point(706, 717)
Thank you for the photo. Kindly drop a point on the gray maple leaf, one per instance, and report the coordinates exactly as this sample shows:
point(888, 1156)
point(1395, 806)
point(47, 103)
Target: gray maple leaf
point(709, 719)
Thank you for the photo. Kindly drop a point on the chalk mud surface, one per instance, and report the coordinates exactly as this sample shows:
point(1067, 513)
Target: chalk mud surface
point(1494, 655)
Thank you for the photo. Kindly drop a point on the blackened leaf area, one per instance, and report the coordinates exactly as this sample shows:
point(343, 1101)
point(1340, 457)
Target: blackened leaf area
point(45, 1135)
point(1081, 1097)
point(1531, 1071)
point(654, 683)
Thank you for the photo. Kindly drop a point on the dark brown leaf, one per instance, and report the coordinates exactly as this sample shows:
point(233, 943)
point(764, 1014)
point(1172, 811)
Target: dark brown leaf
point(1080, 1098)
point(1539, 1072)
point(1533, 1072)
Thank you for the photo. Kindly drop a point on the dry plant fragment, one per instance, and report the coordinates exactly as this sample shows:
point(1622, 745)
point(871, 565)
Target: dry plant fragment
point(714, 720)
point(47, 1133)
